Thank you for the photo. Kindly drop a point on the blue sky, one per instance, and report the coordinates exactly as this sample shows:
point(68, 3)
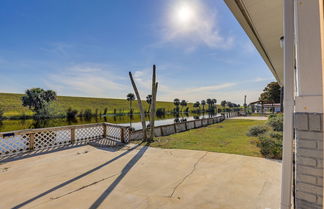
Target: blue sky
point(86, 48)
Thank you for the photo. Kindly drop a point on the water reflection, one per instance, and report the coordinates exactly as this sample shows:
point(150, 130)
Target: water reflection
point(127, 120)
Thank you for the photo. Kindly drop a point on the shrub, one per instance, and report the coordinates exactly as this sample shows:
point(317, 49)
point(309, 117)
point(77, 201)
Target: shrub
point(276, 135)
point(87, 114)
point(1, 113)
point(270, 147)
point(71, 114)
point(81, 114)
point(276, 122)
point(257, 130)
point(160, 111)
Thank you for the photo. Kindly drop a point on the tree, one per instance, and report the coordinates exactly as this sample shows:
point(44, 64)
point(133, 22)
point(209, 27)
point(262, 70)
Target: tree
point(209, 102)
point(1, 113)
point(38, 100)
point(196, 104)
point(176, 102)
point(183, 103)
point(223, 103)
point(130, 98)
point(214, 103)
point(203, 103)
point(149, 101)
point(71, 113)
point(271, 93)
point(230, 105)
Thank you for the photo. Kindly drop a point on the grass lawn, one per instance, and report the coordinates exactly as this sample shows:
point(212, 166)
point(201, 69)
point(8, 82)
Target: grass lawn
point(227, 137)
point(12, 105)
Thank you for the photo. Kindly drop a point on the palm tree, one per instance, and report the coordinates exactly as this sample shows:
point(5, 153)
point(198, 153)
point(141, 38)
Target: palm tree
point(196, 104)
point(149, 101)
point(203, 103)
point(176, 102)
point(130, 98)
point(223, 104)
point(209, 102)
point(214, 103)
point(183, 103)
point(230, 105)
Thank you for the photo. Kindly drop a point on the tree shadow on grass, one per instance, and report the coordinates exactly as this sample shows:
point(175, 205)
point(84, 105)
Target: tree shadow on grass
point(123, 173)
point(87, 173)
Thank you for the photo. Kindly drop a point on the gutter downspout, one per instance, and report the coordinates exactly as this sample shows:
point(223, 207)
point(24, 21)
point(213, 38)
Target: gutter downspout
point(288, 134)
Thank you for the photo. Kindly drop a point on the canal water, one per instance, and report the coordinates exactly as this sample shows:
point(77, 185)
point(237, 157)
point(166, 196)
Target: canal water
point(126, 120)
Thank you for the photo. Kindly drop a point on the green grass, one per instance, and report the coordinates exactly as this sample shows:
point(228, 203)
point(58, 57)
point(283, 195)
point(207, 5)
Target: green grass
point(226, 137)
point(12, 104)
point(259, 114)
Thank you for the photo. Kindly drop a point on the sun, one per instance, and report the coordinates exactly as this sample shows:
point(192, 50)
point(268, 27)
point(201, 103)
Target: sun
point(184, 14)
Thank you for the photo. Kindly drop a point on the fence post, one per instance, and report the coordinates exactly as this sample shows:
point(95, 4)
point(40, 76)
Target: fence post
point(104, 135)
point(122, 136)
point(195, 126)
point(161, 130)
point(72, 135)
point(175, 128)
point(31, 141)
point(186, 127)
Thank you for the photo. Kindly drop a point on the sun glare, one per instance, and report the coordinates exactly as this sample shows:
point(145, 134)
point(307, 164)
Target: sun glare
point(184, 14)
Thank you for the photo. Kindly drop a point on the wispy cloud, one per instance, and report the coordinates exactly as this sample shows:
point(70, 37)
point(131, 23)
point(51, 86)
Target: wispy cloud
point(194, 93)
point(87, 81)
point(59, 48)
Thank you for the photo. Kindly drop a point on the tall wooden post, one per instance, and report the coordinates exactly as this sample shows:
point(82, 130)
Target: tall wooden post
point(140, 105)
point(153, 105)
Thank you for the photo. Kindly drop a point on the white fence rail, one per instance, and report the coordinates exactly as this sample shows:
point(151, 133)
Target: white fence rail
point(44, 139)
point(16, 142)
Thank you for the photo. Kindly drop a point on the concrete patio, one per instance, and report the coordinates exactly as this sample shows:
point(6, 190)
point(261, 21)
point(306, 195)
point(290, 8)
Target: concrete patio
point(136, 176)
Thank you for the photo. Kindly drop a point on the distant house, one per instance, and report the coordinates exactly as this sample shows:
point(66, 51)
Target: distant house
point(260, 107)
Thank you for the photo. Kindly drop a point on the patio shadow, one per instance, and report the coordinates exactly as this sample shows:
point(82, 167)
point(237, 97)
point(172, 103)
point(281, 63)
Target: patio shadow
point(123, 173)
point(75, 178)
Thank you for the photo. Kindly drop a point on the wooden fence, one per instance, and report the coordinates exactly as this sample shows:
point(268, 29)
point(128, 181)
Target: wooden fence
point(169, 129)
point(44, 139)
point(17, 142)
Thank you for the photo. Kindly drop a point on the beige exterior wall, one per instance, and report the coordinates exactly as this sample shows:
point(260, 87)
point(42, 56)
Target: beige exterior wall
point(309, 52)
point(308, 118)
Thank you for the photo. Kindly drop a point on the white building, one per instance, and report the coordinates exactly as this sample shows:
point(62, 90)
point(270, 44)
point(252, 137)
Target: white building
point(288, 34)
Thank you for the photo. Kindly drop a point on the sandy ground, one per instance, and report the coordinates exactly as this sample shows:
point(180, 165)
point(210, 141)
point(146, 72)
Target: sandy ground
point(139, 177)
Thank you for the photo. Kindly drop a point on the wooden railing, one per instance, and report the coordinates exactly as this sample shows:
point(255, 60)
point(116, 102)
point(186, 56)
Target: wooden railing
point(38, 140)
point(165, 130)
point(16, 142)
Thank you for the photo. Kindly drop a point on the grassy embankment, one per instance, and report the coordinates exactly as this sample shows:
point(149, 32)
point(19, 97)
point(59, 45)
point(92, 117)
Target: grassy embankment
point(12, 105)
point(226, 137)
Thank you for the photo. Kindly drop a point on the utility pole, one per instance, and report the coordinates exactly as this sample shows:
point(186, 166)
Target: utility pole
point(245, 105)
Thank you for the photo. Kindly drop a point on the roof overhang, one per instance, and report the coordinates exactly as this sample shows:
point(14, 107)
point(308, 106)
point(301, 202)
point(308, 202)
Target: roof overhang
point(262, 20)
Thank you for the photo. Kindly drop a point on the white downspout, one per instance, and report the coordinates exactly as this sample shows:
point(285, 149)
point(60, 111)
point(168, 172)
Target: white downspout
point(288, 134)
